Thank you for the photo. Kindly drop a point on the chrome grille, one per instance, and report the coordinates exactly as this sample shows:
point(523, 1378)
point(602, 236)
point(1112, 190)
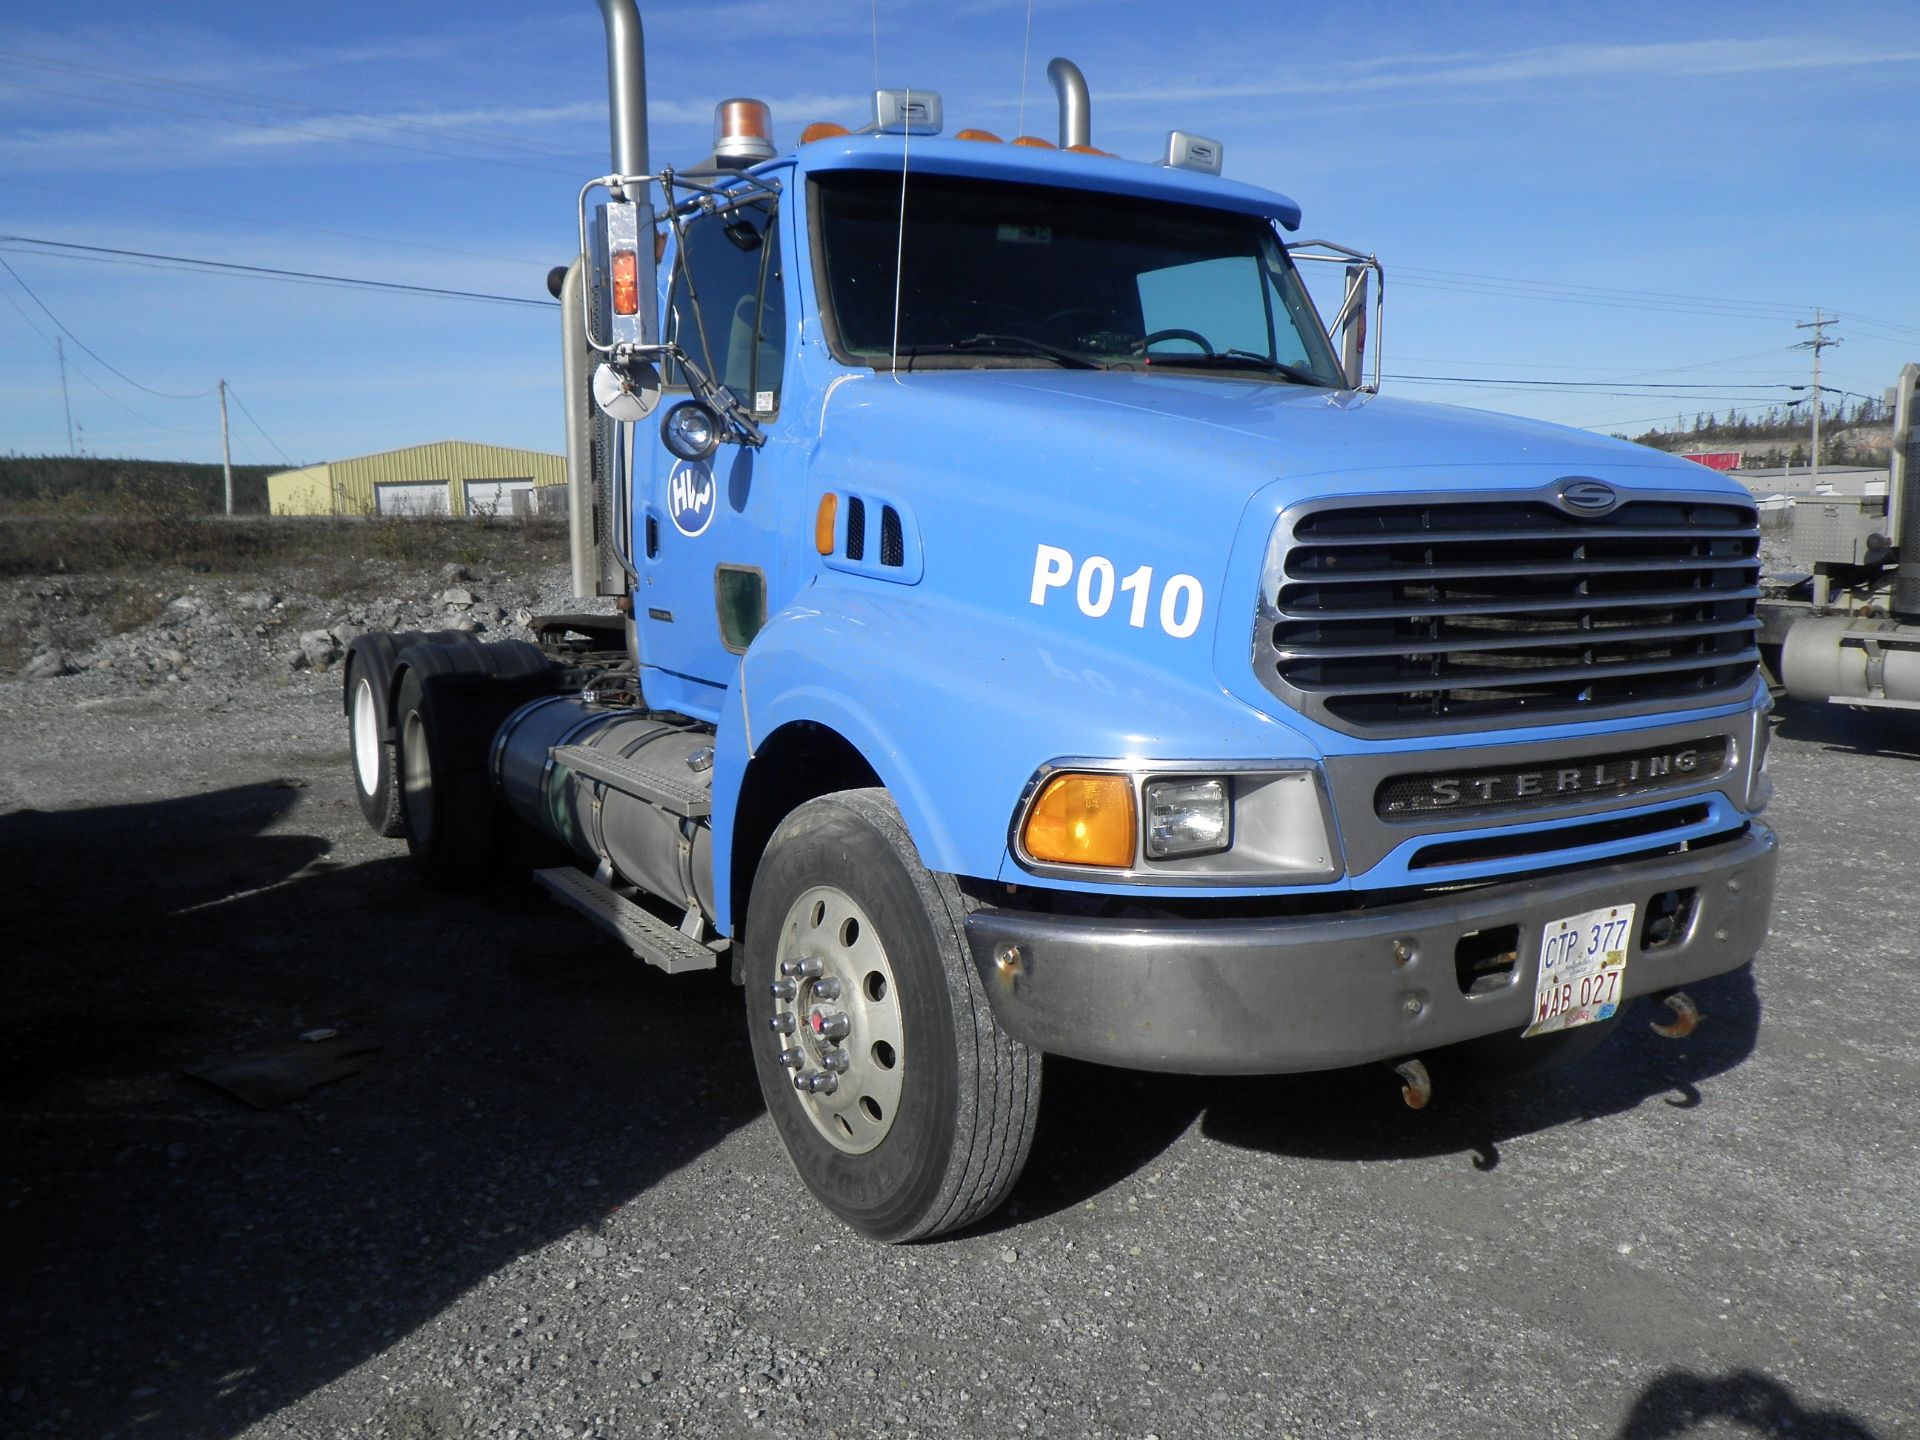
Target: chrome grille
point(1442, 613)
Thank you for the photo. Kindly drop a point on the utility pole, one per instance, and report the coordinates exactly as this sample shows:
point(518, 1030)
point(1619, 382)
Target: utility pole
point(226, 447)
point(60, 349)
point(1818, 343)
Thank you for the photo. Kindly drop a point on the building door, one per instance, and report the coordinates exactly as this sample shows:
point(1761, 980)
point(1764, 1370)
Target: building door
point(493, 499)
point(426, 497)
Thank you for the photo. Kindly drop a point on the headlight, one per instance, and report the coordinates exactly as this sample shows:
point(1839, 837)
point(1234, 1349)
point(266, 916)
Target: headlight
point(1188, 817)
point(1176, 821)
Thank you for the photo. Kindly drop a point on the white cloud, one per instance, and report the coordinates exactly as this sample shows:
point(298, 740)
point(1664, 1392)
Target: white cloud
point(1676, 60)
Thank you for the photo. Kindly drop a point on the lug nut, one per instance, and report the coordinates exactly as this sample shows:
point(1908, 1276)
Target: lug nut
point(800, 1081)
point(792, 1058)
point(830, 1024)
point(783, 1023)
point(827, 987)
point(834, 1060)
point(820, 1083)
point(784, 990)
point(803, 969)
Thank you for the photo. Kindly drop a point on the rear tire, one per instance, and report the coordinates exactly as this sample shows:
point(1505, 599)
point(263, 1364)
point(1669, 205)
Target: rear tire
point(453, 826)
point(928, 1125)
point(372, 754)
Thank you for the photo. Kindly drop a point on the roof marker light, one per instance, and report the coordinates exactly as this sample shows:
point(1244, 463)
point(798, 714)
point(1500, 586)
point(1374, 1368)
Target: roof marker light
point(907, 112)
point(1193, 152)
point(822, 130)
point(971, 134)
point(1034, 142)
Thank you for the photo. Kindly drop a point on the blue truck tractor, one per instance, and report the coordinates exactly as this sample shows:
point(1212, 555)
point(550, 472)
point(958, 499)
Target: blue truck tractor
point(1036, 635)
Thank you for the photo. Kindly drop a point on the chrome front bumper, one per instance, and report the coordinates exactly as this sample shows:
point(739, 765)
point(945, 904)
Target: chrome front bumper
point(1317, 992)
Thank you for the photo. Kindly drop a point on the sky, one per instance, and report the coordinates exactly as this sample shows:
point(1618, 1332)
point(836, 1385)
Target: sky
point(1607, 215)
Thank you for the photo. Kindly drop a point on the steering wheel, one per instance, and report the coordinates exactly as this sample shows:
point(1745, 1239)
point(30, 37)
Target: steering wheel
point(1192, 337)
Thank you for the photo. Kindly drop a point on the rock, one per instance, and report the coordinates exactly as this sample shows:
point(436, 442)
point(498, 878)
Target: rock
point(467, 624)
point(345, 635)
point(46, 665)
point(523, 617)
point(456, 598)
point(254, 600)
point(454, 572)
point(319, 647)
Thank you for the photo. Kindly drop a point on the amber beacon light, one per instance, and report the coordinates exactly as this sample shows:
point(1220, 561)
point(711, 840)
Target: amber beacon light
point(1082, 819)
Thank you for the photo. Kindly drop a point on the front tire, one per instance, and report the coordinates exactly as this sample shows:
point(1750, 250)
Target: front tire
point(918, 1110)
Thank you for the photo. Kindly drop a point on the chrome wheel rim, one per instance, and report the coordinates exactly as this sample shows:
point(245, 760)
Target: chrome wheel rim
point(832, 973)
point(366, 738)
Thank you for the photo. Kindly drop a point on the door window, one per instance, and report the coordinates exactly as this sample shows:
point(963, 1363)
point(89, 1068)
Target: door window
point(728, 308)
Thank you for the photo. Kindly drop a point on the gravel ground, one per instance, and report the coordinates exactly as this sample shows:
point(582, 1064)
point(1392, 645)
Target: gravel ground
point(550, 1203)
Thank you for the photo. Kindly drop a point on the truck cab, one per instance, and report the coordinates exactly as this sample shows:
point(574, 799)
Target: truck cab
point(1039, 639)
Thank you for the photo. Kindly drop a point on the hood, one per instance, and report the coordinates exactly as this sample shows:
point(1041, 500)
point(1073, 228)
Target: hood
point(1280, 430)
point(1117, 520)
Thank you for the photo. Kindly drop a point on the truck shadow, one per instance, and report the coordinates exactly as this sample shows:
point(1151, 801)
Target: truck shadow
point(1679, 1404)
point(186, 1265)
point(1850, 730)
point(1098, 1126)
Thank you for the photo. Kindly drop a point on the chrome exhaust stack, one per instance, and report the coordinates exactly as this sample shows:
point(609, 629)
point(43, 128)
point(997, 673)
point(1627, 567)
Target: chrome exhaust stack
point(626, 86)
point(1076, 107)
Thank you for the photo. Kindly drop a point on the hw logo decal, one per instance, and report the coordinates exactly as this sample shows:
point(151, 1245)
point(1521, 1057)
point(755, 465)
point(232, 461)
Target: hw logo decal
point(690, 497)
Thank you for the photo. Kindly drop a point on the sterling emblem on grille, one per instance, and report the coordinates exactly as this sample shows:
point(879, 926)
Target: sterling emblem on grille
point(1555, 782)
point(1587, 497)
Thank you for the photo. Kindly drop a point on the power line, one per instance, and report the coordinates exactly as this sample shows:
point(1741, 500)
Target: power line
point(146, 205)
point(1653, 419)
point(272, 273)
point(54, 344)
point(1601, 295)
point(163, 394)
point(1509, 383)
point(231, 395)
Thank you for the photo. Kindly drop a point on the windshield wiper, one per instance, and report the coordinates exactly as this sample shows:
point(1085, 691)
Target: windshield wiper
point(1005, 345)
point(1245, 360)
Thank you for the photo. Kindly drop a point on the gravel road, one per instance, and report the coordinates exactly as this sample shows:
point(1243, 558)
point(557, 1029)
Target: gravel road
point(550, 1204)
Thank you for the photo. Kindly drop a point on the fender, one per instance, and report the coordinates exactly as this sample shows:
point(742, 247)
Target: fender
point(955, 706)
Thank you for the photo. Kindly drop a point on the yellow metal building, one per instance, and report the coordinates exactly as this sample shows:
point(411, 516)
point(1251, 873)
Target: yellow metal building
point(448, 477)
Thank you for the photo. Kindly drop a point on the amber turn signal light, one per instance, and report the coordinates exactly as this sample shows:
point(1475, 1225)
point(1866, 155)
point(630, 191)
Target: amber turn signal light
point(823, 522)
point(626, 283)
point(1083, 820)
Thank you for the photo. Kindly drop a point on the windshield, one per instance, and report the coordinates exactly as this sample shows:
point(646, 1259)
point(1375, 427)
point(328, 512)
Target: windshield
point(993, 274)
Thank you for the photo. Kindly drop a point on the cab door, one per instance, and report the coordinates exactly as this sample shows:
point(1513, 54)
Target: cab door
point(708, 530)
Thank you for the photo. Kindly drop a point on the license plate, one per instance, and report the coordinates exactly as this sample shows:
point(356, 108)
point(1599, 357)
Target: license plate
point(1583, 964)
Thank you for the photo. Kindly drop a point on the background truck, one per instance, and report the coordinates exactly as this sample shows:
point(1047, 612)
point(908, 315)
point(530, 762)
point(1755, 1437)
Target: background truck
point(1035, 637)
point(1847, 628)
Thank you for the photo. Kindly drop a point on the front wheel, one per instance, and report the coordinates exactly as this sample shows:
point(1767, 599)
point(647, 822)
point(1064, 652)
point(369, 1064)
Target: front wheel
point(903, 1106)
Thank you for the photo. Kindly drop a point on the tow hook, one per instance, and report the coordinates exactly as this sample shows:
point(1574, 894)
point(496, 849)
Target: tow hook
point(1416, 1087)
point(1686, 1016)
